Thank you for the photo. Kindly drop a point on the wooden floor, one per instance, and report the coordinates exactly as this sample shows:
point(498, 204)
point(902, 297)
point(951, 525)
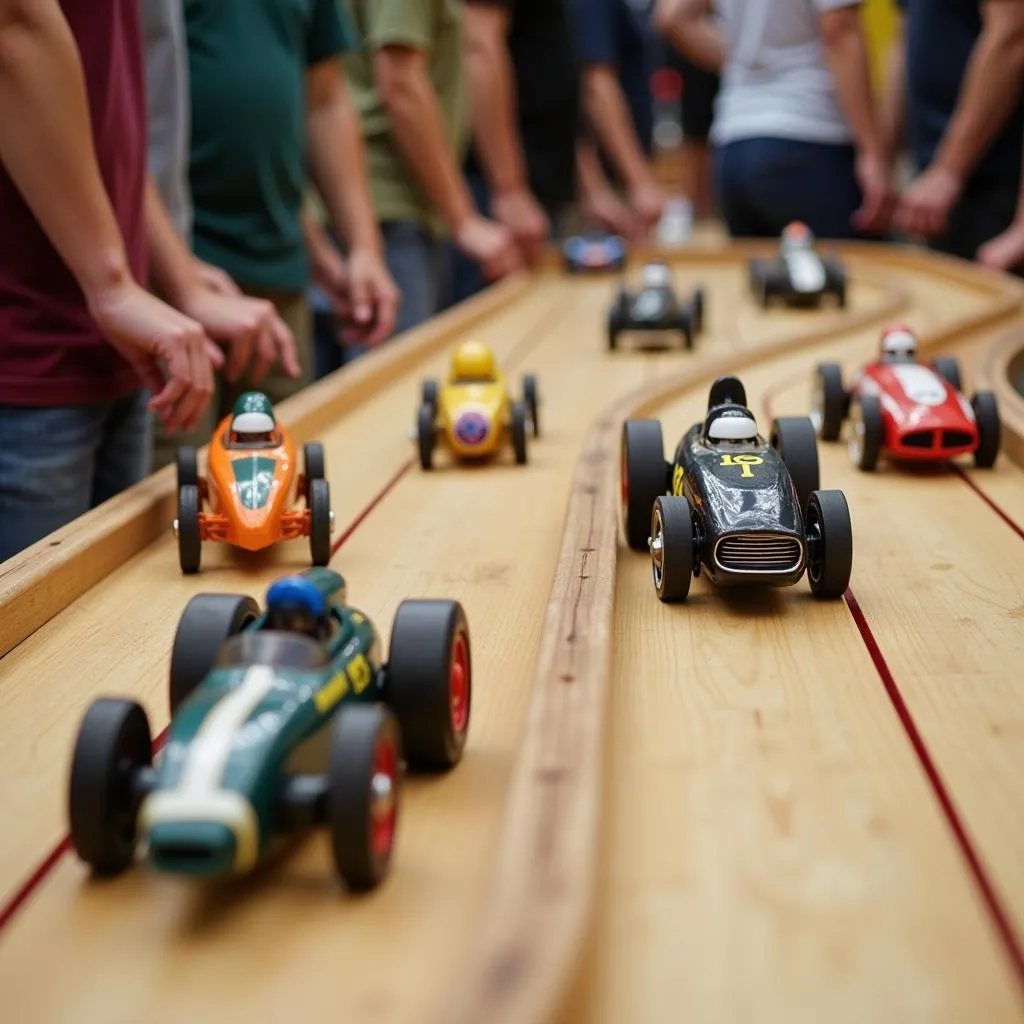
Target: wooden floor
point(810, 812)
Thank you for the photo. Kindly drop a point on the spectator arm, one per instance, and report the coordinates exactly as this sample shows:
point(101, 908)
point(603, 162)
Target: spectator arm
point(46, 143)
point(688, 26)
point(613, 125)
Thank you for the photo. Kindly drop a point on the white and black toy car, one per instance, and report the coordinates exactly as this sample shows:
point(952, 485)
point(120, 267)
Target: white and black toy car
point(744, 509)
point(798, 275)
point(656, 308)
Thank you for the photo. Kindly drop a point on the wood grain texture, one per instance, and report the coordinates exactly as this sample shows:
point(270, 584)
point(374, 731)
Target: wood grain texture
point(797, 868)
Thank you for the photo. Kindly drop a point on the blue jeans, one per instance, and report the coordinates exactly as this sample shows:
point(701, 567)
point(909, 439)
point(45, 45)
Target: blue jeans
point(765, 183)
point(57, 463)
point(419, 265)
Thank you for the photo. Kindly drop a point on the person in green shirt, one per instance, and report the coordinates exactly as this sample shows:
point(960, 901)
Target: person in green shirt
point(408, 80)
point(271, 114)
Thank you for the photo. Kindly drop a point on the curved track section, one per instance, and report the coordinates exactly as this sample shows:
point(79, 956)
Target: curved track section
point(765, 807)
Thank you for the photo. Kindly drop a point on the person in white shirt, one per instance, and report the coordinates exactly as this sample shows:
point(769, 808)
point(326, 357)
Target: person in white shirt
point(795, 129)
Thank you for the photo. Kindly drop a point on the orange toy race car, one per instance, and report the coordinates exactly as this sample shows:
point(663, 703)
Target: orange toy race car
point(251, 488)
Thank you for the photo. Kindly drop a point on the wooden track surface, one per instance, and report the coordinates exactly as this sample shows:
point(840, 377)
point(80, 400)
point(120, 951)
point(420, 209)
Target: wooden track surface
point(756, 807)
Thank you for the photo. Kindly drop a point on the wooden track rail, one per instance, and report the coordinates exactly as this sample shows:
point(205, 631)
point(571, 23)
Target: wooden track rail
point(526, 947)
point(521, 965)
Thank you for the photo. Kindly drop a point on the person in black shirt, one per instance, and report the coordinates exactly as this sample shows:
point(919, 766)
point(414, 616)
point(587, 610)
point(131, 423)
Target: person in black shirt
point(529, 149)
point(963, 79)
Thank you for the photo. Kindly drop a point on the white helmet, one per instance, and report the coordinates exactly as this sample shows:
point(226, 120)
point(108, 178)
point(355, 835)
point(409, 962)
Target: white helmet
point(656, 275)
point(899, 343)
point(252, 423)
point(797, 235)
point(733, 425)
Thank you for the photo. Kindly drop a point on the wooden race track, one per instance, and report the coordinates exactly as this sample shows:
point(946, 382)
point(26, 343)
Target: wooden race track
point(748, 808)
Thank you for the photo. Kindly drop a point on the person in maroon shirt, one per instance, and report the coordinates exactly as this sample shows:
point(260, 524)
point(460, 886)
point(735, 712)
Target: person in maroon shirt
point(82, 231)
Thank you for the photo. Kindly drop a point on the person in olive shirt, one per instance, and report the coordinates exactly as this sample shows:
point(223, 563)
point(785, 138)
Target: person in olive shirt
point(409, 84)
point(268, 100)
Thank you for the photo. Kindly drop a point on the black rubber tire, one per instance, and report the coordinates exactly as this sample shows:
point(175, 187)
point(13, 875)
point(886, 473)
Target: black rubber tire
point(614, 327)
point(831, 401)
point(314, 464)
point(686, 329)
point(518, 429)
point(532, 400)
point(187, 460)
point(830, 537)
point(429, 393)
point(426, 435)
point(698, 310)
point(356, 733)
point(874, 432)
point(190, 546)
point(320, 522)
point(418, 681)
point(114, 741)
point(948, 368)
point(794, 438)
point(643, 476)
point(986, 413)
point(837, 273)
point(206, 623)
point(672, 582)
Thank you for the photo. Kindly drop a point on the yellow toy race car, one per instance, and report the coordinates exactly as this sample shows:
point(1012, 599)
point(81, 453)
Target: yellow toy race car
point(473, 412)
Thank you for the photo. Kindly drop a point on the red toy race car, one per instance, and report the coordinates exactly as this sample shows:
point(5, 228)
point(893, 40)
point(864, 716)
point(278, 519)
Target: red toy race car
point(906, 409)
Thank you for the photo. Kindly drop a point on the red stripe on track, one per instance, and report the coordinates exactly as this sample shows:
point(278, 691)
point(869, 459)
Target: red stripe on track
point(1000, 916)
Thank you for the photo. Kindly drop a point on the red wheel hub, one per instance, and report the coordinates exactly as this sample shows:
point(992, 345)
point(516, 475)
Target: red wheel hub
point(459, 685)
point(384, 797)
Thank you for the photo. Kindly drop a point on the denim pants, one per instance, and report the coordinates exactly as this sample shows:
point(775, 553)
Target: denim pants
point(766, 183)
point(57, 463)
point(418, 263)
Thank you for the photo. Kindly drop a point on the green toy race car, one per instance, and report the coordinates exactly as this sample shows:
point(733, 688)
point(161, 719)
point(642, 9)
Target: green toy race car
point(281, 721)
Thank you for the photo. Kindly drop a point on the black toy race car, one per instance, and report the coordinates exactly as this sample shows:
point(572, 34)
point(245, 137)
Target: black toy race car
point(798, 275)
point(656, 308)
point(745, 510)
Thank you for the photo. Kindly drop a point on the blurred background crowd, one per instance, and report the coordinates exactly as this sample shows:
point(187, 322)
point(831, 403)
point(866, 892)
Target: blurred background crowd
point(199, 197)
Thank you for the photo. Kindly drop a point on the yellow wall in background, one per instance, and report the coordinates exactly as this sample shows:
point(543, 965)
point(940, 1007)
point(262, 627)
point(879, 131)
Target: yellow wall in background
point(880, 21)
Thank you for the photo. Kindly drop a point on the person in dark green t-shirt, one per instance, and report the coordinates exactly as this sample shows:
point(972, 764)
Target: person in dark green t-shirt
point(270, 111)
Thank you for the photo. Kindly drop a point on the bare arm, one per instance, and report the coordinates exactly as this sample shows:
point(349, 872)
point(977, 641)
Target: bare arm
point(842, 38)
point(174, 272)
point(990, 90)
point(338, 157)
point(46, 143)
point(613, 125)
point(688, 26)
point(418, 130)
point(492, 88)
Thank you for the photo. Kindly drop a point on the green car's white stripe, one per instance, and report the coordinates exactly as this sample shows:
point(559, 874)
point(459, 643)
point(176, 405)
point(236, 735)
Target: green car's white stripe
point(199, 796)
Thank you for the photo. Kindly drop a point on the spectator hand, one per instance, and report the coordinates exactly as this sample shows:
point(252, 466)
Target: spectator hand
point(923, 209)
point(490, 244)
point(372, 298)
point(148, 333)
point(215, 279)
point(875, 180)
point(607, 209)
point(1005, 251)
point(249, 328)
point(520, 212)
point(648, 205)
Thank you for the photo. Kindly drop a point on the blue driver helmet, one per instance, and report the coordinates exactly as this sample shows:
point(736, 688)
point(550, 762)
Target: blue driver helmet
point(295, 603)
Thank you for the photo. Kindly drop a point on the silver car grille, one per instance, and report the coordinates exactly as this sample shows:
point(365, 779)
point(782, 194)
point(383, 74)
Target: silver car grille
point(758, 552)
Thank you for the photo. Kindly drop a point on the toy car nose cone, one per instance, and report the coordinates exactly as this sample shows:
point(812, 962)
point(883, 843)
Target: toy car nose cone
point(204, 849)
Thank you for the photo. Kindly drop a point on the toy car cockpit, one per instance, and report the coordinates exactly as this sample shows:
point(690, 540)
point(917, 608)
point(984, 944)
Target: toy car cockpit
point(898, 345)
point(730, 425)
point(296, 605)
point(253, 424)
point(473, 363)
point(656, 275)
